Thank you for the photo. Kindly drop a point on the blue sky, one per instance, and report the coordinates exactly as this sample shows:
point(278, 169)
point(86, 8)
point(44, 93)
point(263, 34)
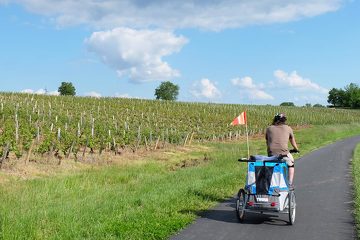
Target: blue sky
point(222, 51)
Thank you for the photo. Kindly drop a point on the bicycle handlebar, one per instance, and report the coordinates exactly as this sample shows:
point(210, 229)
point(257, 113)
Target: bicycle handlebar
point(294, 151)
point(279, 158)
point(245, 160)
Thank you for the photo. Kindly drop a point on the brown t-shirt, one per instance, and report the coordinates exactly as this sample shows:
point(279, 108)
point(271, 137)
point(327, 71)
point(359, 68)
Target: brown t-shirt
point(277, 138)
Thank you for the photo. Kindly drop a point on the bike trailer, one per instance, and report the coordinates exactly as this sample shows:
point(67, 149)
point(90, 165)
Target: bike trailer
point(266, 183)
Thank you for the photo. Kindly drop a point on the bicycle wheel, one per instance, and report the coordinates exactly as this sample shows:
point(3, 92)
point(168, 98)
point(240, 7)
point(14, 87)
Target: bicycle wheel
point(292, 207)
point(240, 205)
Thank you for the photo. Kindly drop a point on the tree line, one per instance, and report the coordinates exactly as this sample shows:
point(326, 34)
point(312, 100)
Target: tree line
point(349, 97)
point(165, 91)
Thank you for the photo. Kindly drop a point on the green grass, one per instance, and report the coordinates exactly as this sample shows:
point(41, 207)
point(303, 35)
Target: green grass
point(141, 201)
point(356, 177)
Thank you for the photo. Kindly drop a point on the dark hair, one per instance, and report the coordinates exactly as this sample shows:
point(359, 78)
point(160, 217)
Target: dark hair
point(280, 118)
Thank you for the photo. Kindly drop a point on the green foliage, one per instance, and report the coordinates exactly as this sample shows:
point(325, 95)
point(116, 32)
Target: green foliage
point(352, 95)
point(349, 97)
point(67, 88)
point(167, 91)
point(152, 200)
point(317, 105)
point(356, 176)
point(336, 97)
point(125, 123)
point(287, 104)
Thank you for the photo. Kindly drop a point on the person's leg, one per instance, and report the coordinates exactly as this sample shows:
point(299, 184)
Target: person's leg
point(291, 175)
point(290, 162)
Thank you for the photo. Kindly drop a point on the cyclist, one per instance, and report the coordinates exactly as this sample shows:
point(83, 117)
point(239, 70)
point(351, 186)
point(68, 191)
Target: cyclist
point(277, 137)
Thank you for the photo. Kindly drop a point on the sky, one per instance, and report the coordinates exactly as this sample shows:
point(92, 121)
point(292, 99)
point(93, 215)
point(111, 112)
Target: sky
point(218, 51)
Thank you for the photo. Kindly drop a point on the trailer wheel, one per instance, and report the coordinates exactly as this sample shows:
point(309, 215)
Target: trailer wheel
point(240, 205)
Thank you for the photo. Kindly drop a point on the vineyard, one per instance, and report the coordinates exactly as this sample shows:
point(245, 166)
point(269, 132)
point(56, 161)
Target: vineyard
point(74, 126)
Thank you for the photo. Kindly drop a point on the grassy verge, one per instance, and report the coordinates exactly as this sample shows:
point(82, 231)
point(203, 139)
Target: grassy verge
point(136, 201)
point(356, 177)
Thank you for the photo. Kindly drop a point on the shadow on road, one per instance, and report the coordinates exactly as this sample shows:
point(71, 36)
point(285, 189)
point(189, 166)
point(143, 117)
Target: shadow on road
point(226, 213)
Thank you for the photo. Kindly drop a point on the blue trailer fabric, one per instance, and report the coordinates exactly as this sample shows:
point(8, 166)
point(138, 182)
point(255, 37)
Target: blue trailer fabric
point(278, 181)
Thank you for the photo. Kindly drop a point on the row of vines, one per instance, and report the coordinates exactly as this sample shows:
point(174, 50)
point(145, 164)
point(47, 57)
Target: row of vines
point(73, 125)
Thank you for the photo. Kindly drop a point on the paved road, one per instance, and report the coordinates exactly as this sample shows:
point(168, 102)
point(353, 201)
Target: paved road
point(324, 204)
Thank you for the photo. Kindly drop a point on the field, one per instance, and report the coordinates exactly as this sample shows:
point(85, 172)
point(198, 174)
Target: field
point(171, 161)
point(72, 127)
point(150, 198)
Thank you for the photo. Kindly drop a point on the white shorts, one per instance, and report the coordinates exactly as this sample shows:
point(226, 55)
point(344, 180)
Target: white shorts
point(289, 160)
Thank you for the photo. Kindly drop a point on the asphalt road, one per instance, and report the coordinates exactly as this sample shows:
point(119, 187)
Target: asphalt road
point(324, 204)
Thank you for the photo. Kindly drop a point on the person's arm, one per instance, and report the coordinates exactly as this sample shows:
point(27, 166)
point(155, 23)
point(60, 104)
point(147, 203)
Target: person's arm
point(267, 136)
point(293, 143)
point(292, 140)
point(267, 141)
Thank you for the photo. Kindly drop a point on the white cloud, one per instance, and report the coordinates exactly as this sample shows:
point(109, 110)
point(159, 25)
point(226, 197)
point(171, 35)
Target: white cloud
point(212, 15)
point(205, 88)
point(296, 81)
point(27, 91)
point(137, 53)
point(253, 91)
point(31, 91)
point(40, 92)
point(309, 98)
point(53, 93)
point(123, 95)
point(93, 94)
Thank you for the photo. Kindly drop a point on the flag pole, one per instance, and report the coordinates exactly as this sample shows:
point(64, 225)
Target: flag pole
point(247, 139)
point(242, 119)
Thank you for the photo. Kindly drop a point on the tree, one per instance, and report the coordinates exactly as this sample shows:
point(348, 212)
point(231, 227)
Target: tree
point(353, 95)
point(67, 88)
point(337, 97)
point(167, 91)
point(349, 97)
point(289, 104)
point(318, 105)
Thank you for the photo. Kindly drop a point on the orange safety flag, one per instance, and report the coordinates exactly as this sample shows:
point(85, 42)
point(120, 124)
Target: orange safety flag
point(240, 120)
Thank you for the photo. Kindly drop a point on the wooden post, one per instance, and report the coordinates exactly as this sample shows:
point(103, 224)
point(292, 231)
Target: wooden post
point(157, 142)
point(70, 150)
point(187, 136)
point(138, 138)
point(92, 127)
point(29, 152)
point(191, 138)
point(83, 155)
point(38, 134)
point(115, 147)
point(16, 128)
point(78, 131)
point(59, 134)
point(146, 144)
point(50, 154)
point(5, 153)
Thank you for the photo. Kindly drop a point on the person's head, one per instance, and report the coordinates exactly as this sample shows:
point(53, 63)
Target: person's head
point(279, 118)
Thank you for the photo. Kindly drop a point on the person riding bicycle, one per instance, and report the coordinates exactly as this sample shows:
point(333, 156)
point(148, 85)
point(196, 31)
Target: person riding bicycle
point(277, 137)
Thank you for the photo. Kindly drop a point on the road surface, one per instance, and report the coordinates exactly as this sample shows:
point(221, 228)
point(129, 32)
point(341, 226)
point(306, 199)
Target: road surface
point(324, 204)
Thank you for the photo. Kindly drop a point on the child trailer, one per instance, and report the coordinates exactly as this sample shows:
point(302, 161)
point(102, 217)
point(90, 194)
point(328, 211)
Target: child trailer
point(267, 188)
